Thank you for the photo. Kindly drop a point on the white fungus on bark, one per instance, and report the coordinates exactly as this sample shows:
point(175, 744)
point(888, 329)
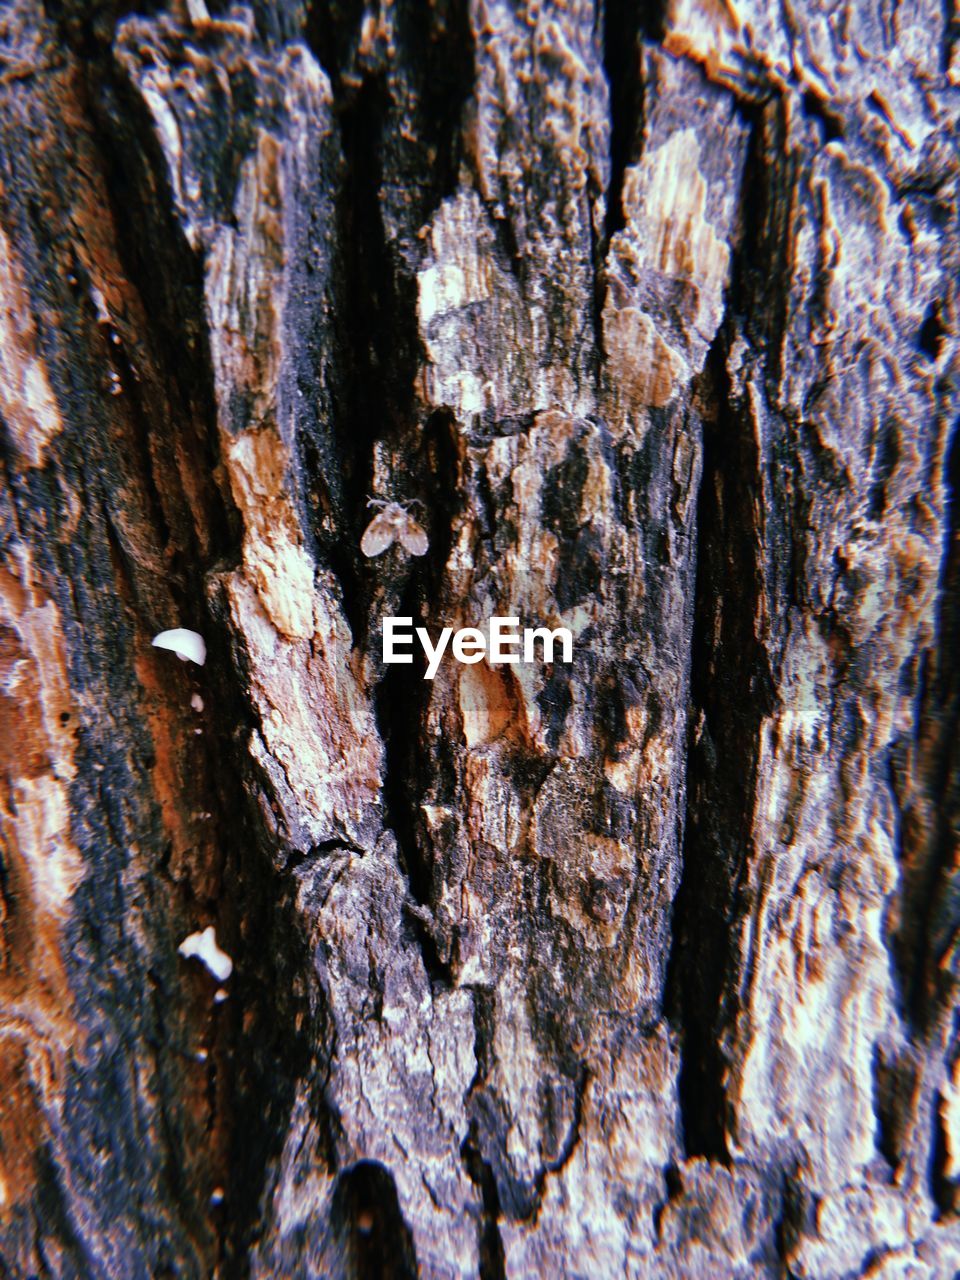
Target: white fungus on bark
point(187, 645)
point(203, 947)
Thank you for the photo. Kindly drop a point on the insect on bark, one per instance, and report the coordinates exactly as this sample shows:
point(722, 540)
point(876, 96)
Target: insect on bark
point(393, 523)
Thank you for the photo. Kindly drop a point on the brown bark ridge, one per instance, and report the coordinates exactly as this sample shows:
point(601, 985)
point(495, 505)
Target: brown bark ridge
point(644, 966)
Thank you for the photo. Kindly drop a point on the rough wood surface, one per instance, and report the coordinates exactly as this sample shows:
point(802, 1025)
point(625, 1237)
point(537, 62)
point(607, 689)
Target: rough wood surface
point(645, 966)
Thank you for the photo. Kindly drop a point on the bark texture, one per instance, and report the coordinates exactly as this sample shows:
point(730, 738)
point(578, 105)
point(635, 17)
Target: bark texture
point(645, 966)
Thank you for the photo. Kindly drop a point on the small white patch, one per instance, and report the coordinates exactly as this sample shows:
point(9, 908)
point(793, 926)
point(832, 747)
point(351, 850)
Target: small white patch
point(187, 645)
point(203, 946)
point(100, 305)
point(217, 1196)
point(220, 995)
point(196, 702)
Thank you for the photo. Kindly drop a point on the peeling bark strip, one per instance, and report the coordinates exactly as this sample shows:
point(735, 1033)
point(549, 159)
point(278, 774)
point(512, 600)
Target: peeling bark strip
point(637, 323)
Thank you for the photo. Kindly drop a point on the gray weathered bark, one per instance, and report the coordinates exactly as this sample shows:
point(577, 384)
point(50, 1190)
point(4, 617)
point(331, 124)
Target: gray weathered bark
point(645, 966)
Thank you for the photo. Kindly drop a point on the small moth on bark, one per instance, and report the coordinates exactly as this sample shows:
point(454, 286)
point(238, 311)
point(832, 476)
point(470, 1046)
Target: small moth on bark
point(393, 523)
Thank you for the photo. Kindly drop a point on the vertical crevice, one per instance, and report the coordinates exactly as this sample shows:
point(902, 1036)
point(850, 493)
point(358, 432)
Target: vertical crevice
point(373, 1240)
point(252, 1043)
point(400, 139)
point(791, 1221)
point(745, 566)
point(168, 277)
point(895, 1098)
point(401, 698)
point(371, 377)
point(624, 27)
point(927, 912)
point(403, 695)
point(730, 693)
point(492, 1265)
point(760, 285)
point(399, 115)
point(492, 1256)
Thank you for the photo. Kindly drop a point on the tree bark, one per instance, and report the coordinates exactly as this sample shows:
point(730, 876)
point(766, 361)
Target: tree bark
point(643, 965)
